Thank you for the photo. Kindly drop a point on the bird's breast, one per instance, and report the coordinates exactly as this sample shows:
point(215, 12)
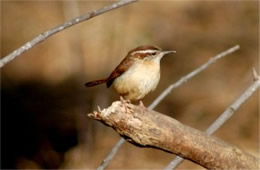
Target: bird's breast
point(141, 78)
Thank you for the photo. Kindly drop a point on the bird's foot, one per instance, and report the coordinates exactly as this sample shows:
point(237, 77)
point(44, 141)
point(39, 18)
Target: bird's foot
point(124, 102)
point(143, 108)
point(141, 104)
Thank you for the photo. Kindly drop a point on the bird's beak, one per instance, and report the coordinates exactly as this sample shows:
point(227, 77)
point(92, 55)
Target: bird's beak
point(167, 52)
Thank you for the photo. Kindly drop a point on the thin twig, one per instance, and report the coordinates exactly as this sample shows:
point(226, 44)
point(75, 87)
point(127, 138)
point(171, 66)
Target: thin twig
point(59, 28)
point(232, 108)
point(190, 75)
point(111, 155)
point(184, 79)
point(224, 116)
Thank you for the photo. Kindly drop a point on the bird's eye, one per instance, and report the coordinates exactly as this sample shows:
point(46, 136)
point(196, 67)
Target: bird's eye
point(153, 53)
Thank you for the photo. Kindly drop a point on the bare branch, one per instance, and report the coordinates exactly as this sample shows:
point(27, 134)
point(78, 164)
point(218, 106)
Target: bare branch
point(233, 107)
point(111, 155)
point(256, 76)
point(191, 75)
point(147, 128)
point(164, 94)
point(224, 116)
point(59, 28)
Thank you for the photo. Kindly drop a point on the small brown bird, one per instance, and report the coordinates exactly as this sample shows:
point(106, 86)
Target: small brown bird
point(137, 75)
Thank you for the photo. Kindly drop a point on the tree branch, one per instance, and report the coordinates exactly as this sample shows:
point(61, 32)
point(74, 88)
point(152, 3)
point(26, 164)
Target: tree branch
point(191, 75)
point(167, 91)
point(59, 28)
point(148, 128)
point(224, 116)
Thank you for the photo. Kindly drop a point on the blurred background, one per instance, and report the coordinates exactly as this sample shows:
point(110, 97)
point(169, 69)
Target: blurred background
point(45, 104)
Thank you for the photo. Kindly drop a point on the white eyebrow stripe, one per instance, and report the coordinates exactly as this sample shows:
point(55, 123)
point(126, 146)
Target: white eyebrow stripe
point(145, 51)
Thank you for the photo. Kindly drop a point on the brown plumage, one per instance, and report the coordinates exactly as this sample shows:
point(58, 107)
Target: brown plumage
point(137, 74)
point(96, 82)
point(125, 64)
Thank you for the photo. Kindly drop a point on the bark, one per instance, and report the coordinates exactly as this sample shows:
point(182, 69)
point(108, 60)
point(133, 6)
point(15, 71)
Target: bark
point(148, 128)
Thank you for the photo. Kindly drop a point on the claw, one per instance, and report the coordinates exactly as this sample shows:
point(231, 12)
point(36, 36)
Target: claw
point(122, 99)
point(141, 104)
point(124, 102)
point(143, 108)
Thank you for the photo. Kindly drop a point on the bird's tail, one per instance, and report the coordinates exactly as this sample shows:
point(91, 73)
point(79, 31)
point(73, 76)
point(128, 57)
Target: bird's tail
point(96, 82)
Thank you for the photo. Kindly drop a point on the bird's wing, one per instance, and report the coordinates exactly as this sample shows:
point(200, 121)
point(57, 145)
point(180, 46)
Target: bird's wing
point(120, 69)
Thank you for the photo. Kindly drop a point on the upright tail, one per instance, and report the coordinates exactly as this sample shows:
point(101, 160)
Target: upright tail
point(96, 82)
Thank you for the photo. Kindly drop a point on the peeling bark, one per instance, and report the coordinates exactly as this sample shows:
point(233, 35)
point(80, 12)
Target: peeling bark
point(148, 128)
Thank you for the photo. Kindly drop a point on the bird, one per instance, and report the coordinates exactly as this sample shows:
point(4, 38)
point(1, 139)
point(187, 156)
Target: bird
point(138, 73)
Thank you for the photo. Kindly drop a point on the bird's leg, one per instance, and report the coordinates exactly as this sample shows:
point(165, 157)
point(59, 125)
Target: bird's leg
point(124, 102)
point(141, 104)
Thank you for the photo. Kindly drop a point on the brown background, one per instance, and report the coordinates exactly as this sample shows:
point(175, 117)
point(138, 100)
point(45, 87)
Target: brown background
point(44, 101)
